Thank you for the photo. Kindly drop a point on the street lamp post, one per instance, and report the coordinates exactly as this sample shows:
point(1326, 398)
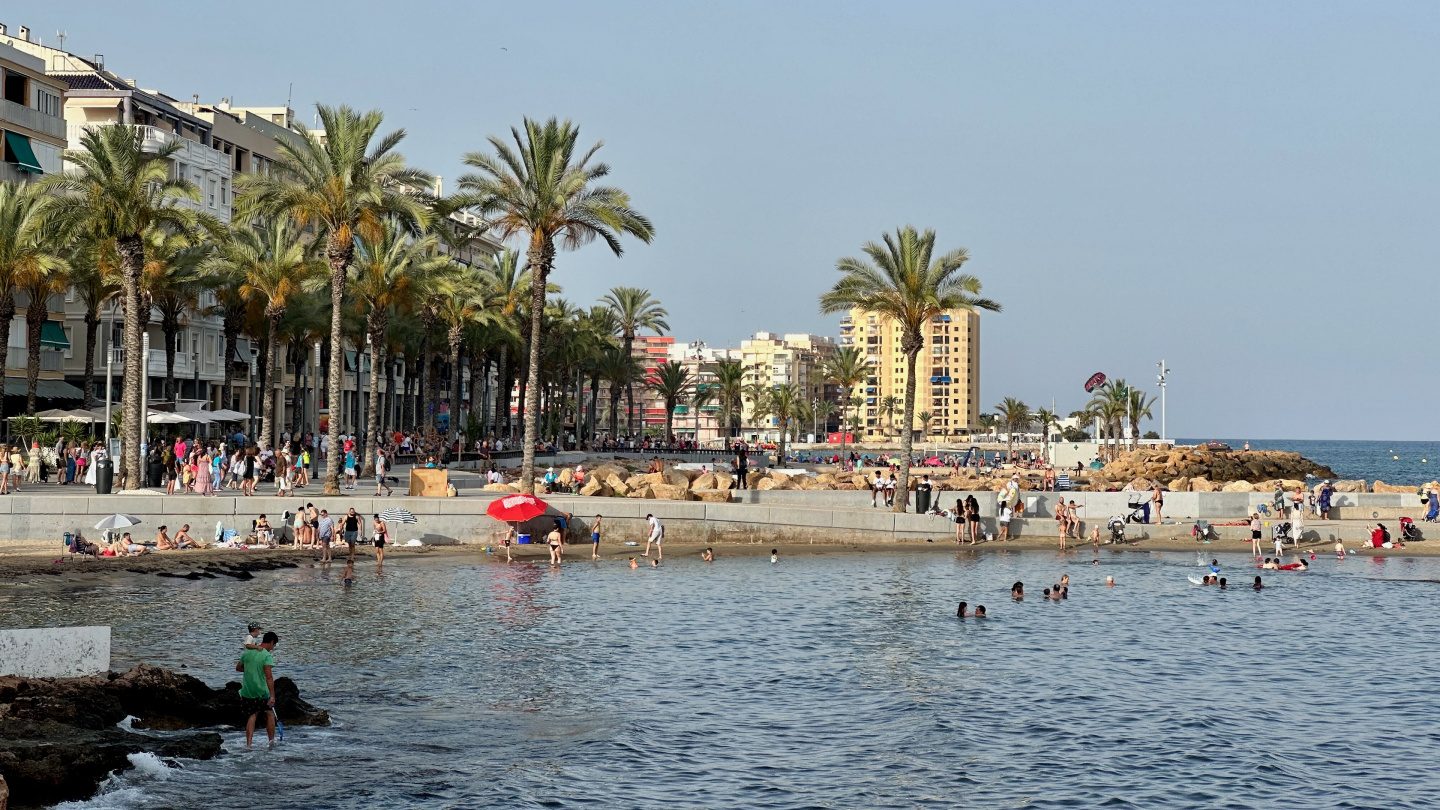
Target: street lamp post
point(195, 364)
point(1160, 381)
point(109, 372)
point(250, 389)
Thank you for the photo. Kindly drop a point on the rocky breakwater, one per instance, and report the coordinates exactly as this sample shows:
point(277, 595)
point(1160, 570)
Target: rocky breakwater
point(61, 737)
point(618, 481)
point(1199, 469)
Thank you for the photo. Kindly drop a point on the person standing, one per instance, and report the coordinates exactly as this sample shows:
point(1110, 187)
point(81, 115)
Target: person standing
point(556, 540)
point(1255, 535)
point(380, 473)
point(257, 686)
point(742, 466)
point(1159, 498)
point(382, 538)
point(972, 517)
point(352, 530)
point(327, 536)
point(656, 536)
point(1323, 507)
point(595, 539)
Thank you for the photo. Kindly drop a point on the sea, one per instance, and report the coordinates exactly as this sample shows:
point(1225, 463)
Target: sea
point(1391, 462)
point(840, 680)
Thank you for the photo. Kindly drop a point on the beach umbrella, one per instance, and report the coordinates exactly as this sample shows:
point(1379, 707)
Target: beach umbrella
point(117, 521)
point(516, 508)
point(397, 515)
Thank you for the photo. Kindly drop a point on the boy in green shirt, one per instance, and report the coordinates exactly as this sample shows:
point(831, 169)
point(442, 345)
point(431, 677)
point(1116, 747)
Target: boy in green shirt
point(257, 686)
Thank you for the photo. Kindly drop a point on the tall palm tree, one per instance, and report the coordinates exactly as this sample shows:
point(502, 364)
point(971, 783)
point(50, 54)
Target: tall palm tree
point(1110, 402)
point(671, 382)
point(616, 366)
point(783, 403)
point(116, 190)
point(389, 274)
point(342, 186)
point(599, 328)
point(634, 310)
point(847, 369)
point(542, 189)
point(925, 418)
point(307, 317)
point(24, 252)
point(905, 283)
point(729, 390)
point(39, 286)
point(464, 307)
point(1137, 408)
point(275, 266)
point(1015, 416)
point(888, 406)
point(988, 422)
point(95, 279)
point(173, 277)
point(1045, 419)
point(821, 413)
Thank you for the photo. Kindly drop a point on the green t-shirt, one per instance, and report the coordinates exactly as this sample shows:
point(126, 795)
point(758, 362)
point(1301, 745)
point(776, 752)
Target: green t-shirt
point(253, 684)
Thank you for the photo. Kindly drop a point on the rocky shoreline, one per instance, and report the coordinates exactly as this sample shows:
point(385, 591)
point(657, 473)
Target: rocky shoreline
point(61, 737)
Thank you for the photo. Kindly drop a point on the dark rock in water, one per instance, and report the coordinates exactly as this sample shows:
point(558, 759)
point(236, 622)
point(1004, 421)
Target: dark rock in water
point(59, 737)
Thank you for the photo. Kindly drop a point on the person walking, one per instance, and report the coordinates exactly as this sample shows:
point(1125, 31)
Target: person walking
point(1326, 493)
point(257, 686)
point(380, 473)
point(351, 527)
point(656, 536)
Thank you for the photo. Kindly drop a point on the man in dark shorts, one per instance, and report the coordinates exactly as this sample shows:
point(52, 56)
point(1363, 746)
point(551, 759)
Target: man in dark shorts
point(257, 686)
point(352, 530)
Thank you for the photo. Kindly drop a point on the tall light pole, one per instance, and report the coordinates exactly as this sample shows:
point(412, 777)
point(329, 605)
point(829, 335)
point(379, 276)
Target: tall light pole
point(109, 374)
point(1160, 381)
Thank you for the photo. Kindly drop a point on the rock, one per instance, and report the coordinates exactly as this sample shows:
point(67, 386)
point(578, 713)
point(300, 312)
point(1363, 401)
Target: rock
point(706, 481)
point(617, 485)
point(778, 477)
point(499, 488)
point(604, 472)
point(595, 488)
point(1392, 489)
point(675, 478)
point(1141, 485)
point(803, 482)
point(753, 479)
point(1350, 486)
point(1201, 485)
point(1179, 484)
point(567, 476)
point(711, 495)
point(724, 480)
point(860, 481)
point(1098, 483)
point(846, 486)
point(59, 741)
point(670, 492)
point(766, 484)
point(827, 478)
point(643, 491)
point(1238, 486)
point(653, 478)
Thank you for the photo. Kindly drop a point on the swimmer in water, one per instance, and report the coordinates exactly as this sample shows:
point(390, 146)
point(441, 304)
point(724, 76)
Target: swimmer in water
point(980, 612)
point(1258, 584)
point(1017, 591)
point(1046, 594)
point(1270, 565)
point(1065, 581)
point(961, 612)
point(654, 563)
point(633, 564)
point(774, 555)
point(708, 555)
point(1214, 566)
point(1339, 550)
point(1109, 582)
point(1300, 564)
point(1223, 586)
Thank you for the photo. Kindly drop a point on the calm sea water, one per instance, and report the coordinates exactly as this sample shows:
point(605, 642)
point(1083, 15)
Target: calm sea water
point(1392, 462)
point(832, 681)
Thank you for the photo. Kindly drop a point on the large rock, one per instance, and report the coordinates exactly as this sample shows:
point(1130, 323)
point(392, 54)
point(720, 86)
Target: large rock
point(596, 488)
point(706, 481)
point(1179, 484)
point(654, 478)
point(675, 478)
point(670, 492)
point(1238, 486)
point(617, 485)
point(711, 495)
point(644, 490)
point(1350, 486)
point(499, 488)
point(779, 477)
point(724, 480)
point(567, 476)
point(604, 472)
point(753, 479)
point(1201, 485)
point(827, 478)
point(1393, 489)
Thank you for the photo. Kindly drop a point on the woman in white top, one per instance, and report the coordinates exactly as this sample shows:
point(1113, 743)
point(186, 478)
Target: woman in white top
point(95, 455)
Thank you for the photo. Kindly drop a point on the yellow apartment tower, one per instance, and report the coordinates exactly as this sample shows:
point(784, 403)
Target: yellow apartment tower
point(947, 373)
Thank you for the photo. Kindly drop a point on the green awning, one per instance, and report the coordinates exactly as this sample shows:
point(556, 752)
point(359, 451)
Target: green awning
point(350, 362)
point(24, 155)
point(52, 334)
point(44, 389)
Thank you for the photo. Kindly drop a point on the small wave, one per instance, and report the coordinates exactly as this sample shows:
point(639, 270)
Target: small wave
point(119, 790)
point(128, 723)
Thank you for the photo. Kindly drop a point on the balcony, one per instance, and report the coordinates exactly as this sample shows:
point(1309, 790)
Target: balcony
point(18, 357)
point(32, 119)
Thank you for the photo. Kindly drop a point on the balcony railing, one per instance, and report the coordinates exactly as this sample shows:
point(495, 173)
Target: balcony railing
point(19, 357)
point(31, 118)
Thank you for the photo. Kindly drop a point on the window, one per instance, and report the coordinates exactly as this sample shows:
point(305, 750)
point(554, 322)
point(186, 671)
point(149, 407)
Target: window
point(47, 103)
point(224, 191)
point(213, 186)
point(182, 171)
point(17, 88)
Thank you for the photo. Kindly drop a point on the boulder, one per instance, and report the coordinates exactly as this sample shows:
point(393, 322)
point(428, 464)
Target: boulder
point(1350, 486)
point(643, 490)
point(804, 482)
point(596, 489)
point(499, 488)
point(567, 476)
point(670, 492)
point(827, 478)
point(1238, 486)
point(675, 478)
point(753, 479)
point(779, 476)
point(604, 471)
point(711, 495)
point(846, 486)
point(691, 475)
point(706, 481)
point(617, 486)
point(1181, 484)
point(860, 481)
point(1141, 485)
point(723, 480)
point(1201, 485)
point(654, 478)
point(1392, 489)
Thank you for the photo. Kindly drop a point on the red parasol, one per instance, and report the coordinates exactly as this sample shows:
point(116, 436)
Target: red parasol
point(516, 508)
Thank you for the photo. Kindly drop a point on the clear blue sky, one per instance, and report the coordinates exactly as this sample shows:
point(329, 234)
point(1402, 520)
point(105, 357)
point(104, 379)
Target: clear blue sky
point(1247, 190)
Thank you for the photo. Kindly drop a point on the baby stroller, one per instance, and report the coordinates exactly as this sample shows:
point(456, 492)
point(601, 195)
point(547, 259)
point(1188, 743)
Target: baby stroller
point(1117, 529)
point(1139, 512)
point(1281, 531)
point(1434, 514)
point(1204, 531)
point(1409, 532)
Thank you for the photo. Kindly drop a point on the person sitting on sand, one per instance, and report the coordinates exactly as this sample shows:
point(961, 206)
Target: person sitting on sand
point(263, 533)
point(183, 538)
point(126, 547)
point(1017, 591)
point(163, 541)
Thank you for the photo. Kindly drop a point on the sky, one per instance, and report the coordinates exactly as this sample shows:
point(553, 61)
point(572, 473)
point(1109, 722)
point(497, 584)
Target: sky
point(1245, 190)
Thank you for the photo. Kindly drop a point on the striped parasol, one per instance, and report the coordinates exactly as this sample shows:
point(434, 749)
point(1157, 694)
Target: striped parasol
point(397, 515)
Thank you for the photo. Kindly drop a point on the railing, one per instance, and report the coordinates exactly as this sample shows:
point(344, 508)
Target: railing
point(31, 118)
point(19, 357)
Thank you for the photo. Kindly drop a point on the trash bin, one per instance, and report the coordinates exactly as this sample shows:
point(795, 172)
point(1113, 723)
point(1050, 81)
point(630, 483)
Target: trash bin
point(104, 476)
point(922, 501)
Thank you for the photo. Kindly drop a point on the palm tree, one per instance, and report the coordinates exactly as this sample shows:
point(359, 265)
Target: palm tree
point(173, 277)
point(342, 186)
point(1045, 418)
point(1137, 408)
point(462, 308)
point(821, 413)
point(925, 418)
point(510, 289)
point(24, 252)
point(634, 310)
point(39, 286)
point(615, 368)
point(1016, 416)
point(988, 422)
point(729, 390)
point(302, 328)
point(847, 369)
point(782, 403)
point(95, 279)
point(1110, 402)
point(275, 266)
point(903, 284)
point(116, 190)
point(887, 410)
point(389, 275)
point(540, 188)
point(671, 381)
point(600, 327)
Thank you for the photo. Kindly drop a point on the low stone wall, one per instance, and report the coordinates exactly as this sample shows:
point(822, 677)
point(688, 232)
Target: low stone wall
point(55, 652)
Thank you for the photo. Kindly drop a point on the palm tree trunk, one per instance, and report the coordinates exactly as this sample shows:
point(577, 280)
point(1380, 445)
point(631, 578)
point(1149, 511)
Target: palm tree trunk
point(614, 411)
point(907, 439)
point(132, 261)
point(502, 390)
point(477, 361)
point(339, 249)
point(455, 423)
point(387, 424)
point(35, 315)
point(296, 356)
point(170, 331)
point(7, 315)
point(267, 388)
point(372, 420)
point(539, 256)
point(669, 420)
point(232, 339)
point(594, 404)
point(92, 331)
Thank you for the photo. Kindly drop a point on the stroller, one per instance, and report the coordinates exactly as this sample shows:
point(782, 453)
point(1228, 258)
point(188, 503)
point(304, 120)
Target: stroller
point(1409, 532)
point(1139, 512)
point(1281, 531)
point(1117, 529)
point(1202, 530)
